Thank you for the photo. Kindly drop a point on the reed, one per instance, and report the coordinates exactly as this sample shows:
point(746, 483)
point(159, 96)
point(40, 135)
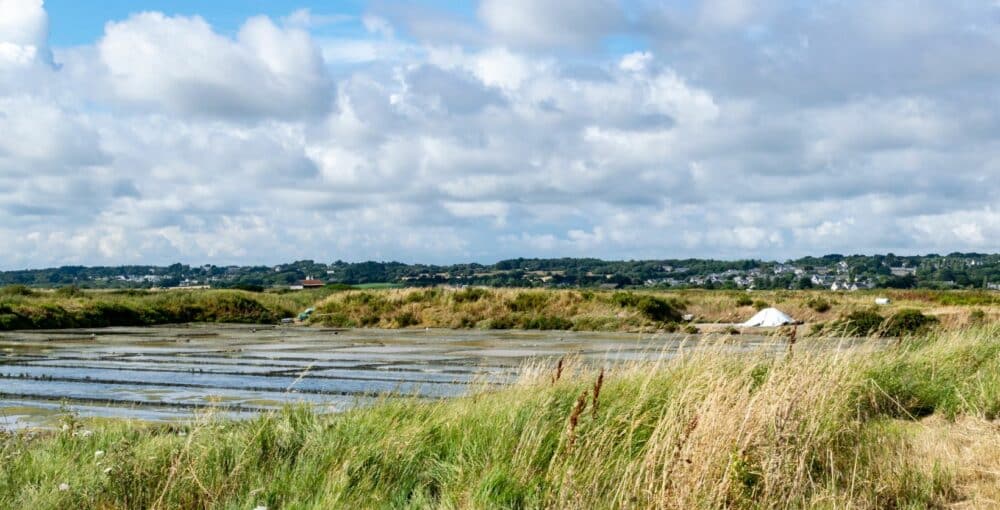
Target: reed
point(868, 426)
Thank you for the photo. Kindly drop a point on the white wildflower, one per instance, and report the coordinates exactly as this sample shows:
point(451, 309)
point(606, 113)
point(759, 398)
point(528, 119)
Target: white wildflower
point(98, 454)
point(64, 486)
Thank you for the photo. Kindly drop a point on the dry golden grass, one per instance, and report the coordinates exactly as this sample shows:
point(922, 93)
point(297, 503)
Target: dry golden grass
point(969, 449)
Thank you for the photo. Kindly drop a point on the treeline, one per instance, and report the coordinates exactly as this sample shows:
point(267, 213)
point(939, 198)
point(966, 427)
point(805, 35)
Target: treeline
point(956, 270)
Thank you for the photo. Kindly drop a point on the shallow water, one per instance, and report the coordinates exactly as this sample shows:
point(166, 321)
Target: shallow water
point(170, 373)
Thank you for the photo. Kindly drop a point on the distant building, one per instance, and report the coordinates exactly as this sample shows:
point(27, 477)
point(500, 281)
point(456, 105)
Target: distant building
point(311, 283)
point(903, 271)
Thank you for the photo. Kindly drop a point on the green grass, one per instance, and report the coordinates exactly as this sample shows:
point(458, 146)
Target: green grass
point(810, 429)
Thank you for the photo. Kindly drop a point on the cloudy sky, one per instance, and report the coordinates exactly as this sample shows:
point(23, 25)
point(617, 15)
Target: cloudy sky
point(265, 131)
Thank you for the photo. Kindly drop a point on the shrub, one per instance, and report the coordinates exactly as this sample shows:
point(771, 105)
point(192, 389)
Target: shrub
point(528, 302)
point(9, 321)
point(248, 287)
point(671, 327)
point(406, 319)
point(819, 304)
point(977, 317)
point(744, 301)
point(501, 322)
point(908, 322)
point(469, 295)
point(657, 309)
point(760, 304)
point(861, 322)
point(69, 291)
point(691, 329)
point(234, 307)
point(16, 290)
point(422, 296)
point(338, 286)
point(624, 299)
point(338, 320)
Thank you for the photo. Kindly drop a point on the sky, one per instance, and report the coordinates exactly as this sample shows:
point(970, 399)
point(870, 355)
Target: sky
point(259, 132)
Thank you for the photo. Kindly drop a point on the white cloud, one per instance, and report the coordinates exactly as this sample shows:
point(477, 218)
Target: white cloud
point(23, 32)
point(772, 131)
point(181, 65)
point(545, 23)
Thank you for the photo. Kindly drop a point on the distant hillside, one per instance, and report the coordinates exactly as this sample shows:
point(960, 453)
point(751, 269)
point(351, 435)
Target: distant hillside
point(838, 272)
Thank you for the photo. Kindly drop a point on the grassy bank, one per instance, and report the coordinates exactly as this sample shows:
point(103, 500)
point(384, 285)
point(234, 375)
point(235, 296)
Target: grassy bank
point(26, 309)
point(586, 310)
point(582, 310)
point(908, 426)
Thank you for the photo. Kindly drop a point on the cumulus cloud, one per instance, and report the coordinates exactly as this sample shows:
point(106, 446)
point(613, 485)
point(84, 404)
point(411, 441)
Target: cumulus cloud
point(183, 66)
point(725, 129)
point(23, 32)
point(545, 23)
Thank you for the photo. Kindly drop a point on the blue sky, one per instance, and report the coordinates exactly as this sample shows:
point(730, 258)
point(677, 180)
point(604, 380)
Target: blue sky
point(259, 132)
point(76, 23)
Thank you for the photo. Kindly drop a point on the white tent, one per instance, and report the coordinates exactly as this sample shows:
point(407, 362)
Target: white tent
point(769, 318)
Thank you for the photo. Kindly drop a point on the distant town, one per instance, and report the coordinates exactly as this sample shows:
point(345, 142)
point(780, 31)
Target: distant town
point(833, 272)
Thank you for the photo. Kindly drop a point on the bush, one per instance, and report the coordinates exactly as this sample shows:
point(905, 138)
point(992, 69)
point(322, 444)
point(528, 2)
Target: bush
point(234, 307)
point(691, 329)
point(422, 296)
point(501, 322)
point(657, 309)
point(977, 317)
point(861, 322)
point(744, 301)
point(406, 319)
point(338, 320)
point(469, 295)
point(819, 304)
point(624, 299)
point(908, 322)
point(760, 304)
point(69, 291)
point(248, 287)
point(528, 302)
point(16, 290)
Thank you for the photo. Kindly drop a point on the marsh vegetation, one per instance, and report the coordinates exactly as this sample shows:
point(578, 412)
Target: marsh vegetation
point(908, 425)
point(485, 308)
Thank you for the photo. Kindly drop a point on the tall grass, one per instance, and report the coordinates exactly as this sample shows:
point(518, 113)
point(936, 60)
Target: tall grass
point(812, 428)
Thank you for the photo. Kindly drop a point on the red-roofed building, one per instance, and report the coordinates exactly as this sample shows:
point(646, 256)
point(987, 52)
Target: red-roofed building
point(311, 283)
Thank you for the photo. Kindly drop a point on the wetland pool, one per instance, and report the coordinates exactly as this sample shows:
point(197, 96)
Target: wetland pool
point(171, 373)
